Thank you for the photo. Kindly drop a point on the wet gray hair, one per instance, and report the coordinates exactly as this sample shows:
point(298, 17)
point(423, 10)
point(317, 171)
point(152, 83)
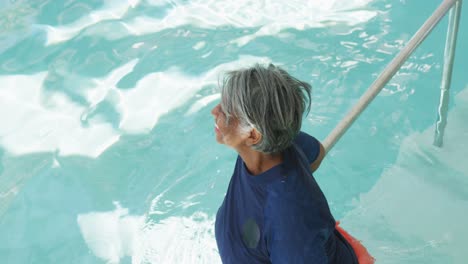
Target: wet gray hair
point(269, 100)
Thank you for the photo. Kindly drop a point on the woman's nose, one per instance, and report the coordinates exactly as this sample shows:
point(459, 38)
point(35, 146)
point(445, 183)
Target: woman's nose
point(215, 110)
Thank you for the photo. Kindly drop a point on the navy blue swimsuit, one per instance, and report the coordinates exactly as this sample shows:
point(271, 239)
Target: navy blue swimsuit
point(281, 215)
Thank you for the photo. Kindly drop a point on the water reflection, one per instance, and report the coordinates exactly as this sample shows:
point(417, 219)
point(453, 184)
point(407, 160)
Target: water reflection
point(16, 19)
point(112, 10)
point(30, 126)
point(416, 210)
point(34, 121)
point(275, 17)
point(116, 234)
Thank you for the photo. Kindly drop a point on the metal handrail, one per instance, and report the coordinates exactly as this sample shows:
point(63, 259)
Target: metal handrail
point(449, 56)
point(395, 65)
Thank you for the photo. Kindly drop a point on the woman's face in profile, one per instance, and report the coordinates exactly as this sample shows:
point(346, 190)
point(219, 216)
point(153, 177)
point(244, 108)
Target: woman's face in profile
point(227, 133)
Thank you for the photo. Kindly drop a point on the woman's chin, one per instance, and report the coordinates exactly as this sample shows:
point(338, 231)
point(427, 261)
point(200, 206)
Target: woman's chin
point(219, 138)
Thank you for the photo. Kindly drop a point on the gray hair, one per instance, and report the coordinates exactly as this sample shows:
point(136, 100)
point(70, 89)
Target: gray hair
point(269, 100)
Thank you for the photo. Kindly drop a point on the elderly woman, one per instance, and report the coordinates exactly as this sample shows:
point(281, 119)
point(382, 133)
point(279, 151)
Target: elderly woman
point(273, 211)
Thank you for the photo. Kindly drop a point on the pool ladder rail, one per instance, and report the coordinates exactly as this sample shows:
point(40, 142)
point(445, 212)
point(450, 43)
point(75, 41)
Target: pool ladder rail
point(454, 6)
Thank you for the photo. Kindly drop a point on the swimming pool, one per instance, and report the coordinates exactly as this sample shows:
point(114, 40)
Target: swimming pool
point(107, 145)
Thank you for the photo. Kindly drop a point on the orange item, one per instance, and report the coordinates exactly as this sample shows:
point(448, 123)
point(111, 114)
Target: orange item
point(361, 252)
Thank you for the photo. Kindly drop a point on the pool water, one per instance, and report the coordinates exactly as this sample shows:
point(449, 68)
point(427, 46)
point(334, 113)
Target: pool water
point(107, 149)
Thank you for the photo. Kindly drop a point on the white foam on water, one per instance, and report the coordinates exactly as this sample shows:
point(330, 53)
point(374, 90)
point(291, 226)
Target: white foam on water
point(274, 17)
point(199, 45)
point(203, 102)
point(29, 125)
point(111, 235)
point(37, 121)
point(159, 93)
point(112, 10)
point(116, 234)
point(155, 95)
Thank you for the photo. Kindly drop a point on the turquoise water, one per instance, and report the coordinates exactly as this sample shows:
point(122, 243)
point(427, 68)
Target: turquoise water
point(107, 150)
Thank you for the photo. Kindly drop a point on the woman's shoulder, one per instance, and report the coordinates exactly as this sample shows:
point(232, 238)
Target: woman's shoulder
point(295, 195)
point(309, 145)
point(287, 190)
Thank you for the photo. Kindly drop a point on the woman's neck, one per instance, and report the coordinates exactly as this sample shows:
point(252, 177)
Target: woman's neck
point(258, 162)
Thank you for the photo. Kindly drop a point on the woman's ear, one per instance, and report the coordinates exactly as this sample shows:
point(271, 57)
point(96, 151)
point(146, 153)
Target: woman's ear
point(254, 137)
